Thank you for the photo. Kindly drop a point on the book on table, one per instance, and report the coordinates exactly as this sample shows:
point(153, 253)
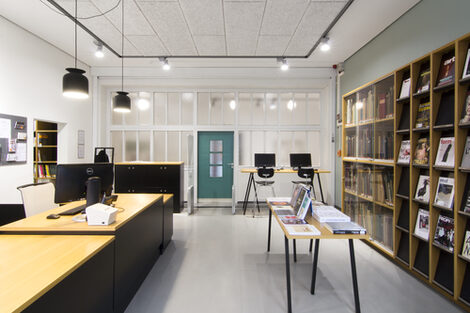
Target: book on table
point(405, 88)
point(301, 210)
point(345, 228)
point(446, 70)
point(444, 235)
point(445, 192)
point(466, 245)
point(302, 230)
point(325, 214)
point(422, 224)
point(421, 156)
point(423, 79)
point(404, 154)
point(422, 190)
point(424, 109)
point(293, 206)
point(445, 152)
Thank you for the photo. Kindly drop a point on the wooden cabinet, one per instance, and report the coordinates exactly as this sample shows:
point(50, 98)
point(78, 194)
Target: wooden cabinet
point(45, 151)
point(164, 177)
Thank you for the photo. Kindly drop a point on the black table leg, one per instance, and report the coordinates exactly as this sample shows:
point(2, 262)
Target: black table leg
point(256, 194)
point(311, 246)
point(321, 190)
point(247, 192)
point(295, 251)
point(269, 229)
point(289, 304)
point(354, 276)
point(315, 263)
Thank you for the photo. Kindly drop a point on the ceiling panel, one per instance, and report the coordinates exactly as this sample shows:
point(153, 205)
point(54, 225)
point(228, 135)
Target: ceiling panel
point(242, 25)
point(272, 45)
point(204, 17)
point(210, 45)
point(282, 17)
point(170, 25)
point(148, 45)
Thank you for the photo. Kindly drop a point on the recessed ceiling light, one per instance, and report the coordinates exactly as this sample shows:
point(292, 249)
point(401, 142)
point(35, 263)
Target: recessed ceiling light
point(165, 65)
point(325, 44)
point(284, 64)
point(99, 49)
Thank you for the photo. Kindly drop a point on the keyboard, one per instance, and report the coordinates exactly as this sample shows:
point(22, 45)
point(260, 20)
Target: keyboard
point(74, 211)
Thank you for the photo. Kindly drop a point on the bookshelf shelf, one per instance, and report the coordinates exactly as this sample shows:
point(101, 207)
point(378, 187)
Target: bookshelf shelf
point(443, 287)
point(443, 127)
point(464, 125)
point(443, 168)
point(402, 100)
point(464, 81)
point(402, 131)
point(464, 170)
point(423, 166)
point(442, 248)
point(421, 94)
point(402, 228)
point(440, 207)
point(463, 258)
point(420, 273)
point(45, 151)
point(464, 213)
point(421, 129)
point(402, 196)
point(388, 119)
point(444, 87)
point(420, 238)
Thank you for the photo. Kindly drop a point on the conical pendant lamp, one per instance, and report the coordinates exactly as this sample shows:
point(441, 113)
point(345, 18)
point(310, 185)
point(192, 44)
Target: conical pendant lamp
point(74, 83)
point(122, 102)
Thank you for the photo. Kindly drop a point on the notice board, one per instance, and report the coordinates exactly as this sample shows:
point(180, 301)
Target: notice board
point(13, 139)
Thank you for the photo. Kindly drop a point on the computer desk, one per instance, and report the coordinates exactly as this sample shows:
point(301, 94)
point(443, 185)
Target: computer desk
point(138, 233)
point(325, 234)
point(56, 273)
point(251, 181)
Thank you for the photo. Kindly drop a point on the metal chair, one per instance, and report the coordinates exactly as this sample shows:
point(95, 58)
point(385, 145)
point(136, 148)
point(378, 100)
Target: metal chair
point(37, 197)
point(264, 173)
point(306, 173)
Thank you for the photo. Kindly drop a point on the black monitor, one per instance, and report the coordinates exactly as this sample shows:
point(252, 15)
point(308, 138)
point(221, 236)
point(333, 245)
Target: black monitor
point(265, 160)
point(300, 160)
point(71, 180)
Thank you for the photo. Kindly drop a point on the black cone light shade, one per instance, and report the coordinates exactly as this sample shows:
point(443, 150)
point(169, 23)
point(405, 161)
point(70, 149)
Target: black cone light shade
point(75, 84)
point(122, 102)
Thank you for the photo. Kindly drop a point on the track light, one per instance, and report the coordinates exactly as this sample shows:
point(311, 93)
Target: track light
point(324, 44)
point(99, 49)
point(284, 64)
point(165, 65)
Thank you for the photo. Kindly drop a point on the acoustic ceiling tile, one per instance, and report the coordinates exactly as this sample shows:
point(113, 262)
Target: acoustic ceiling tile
point(148, 45)
point(169, 23)
point(210, 45)
point(272, 45)
point(282, 17)
point(204, 17)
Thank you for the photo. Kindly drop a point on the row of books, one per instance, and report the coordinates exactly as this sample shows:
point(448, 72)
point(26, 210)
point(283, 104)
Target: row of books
point(444, 234)
point(384, 183)
point(361, 110)
point(361, 181)
point(362, 146)
point(444, 191)
point(45, 170)
point(385, 104)
point(385, 146)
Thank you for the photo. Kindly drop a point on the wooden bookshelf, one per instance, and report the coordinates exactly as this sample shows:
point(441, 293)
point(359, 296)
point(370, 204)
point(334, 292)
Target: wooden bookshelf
point(441, 267)
point(45, 151)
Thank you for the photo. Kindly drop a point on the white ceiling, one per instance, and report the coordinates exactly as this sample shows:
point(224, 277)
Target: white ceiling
point(211, 27)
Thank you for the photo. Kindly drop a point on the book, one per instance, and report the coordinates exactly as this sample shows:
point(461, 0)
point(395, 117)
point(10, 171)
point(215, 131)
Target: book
point(292, 220)
point(466, 110)
point(404, 154)
point(302, 230)
point(466, 68)
point(466, 154)
point(422, 224)
point(423, 79)
point(421, 155)
point(466, 245)
point(445, 192)
point(422, 120)
point(422, 190)
point(446, 70)
point(345, 228)
point(326, 213)
point(444, 235)
point(405, 88)
point(445, 153)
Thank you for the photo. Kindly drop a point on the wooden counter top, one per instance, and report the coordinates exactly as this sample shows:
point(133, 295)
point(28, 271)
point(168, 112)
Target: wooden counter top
point(128, 205)
point(167, 197)
point(31, 265)
point(149, 163)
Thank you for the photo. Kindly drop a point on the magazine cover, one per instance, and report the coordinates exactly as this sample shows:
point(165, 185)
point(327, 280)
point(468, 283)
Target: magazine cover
point(422, 151)
point(466, 245)
point(422, 224)
point(445, 153)
point(445, 232)
point(404, 155)
point(466, 154)
point(405, 88)
point(466, 110)
point(422, 190)
point(423, 81)
point(446, 71)
point(445, 192)
point(422, 120)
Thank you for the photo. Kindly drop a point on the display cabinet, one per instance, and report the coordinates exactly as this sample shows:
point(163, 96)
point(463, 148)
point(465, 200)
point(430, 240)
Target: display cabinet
point(45, 151)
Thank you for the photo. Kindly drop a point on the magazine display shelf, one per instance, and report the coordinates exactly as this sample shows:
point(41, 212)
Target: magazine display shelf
point(447, 270)
point(45, 151)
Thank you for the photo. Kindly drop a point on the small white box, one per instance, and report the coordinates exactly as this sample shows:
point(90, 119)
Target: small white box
point(100, 214)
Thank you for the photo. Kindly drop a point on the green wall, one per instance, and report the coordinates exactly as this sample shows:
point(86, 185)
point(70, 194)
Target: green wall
point(427, 26)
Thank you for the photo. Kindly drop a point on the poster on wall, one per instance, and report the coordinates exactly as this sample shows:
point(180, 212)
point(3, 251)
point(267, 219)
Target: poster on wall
point(13, 136)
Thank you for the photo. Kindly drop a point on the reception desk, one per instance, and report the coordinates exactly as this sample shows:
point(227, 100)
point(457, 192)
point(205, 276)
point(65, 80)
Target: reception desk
point(138, 234)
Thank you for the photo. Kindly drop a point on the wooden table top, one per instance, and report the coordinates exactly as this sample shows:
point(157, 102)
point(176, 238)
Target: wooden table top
point(128, 205)
point(325, 232)
point(166, 197)
point(30, 265)
point(281, 170)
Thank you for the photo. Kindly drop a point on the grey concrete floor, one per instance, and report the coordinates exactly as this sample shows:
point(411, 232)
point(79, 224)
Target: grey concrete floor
point(217, 262)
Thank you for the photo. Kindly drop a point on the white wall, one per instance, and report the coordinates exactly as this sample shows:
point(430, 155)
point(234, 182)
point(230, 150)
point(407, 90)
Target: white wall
point(31, 73)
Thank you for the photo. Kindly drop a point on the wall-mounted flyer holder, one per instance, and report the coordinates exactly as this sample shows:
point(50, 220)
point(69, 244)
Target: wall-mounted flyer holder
point(13, 139)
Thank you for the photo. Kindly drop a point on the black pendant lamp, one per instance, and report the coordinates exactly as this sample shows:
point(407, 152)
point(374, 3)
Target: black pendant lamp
point(122, 102)
point(74, 83)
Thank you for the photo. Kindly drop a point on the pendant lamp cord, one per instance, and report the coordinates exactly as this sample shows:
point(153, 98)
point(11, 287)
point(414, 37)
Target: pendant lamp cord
point(76, 5)
point(122, 45)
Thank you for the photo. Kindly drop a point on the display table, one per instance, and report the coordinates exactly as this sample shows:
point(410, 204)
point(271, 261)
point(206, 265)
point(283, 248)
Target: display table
point(324, 234)
point(43, 273)
point(138, 232)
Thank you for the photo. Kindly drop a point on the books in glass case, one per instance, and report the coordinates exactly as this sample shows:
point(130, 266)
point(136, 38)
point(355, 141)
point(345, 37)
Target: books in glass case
point(446, 70)
point(445, 192)
point(405, 88)
point(466, 68)
point(445, 153)
point(466, 245)
point(405, 153)
point(466, 110)
point(424, 79)
point(466, 154)
point(444, 235)
point(422, 224)
point(421, 156)
point(422, 190)
point(424, 110)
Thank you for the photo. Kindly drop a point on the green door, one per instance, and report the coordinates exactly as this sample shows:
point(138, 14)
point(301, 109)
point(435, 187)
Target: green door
point(215, 164)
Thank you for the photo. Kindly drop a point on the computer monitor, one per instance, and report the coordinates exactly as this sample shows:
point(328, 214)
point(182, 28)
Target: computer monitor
point(300, 160)
point(265, 160)
point(71, 180)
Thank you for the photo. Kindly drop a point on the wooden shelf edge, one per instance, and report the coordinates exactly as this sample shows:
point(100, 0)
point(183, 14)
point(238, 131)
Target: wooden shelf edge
point(425, 166)
point(441, 247)
point(465, 80)
point(420, 202)
point(444, 87)
point(443, 168)
point(440, 207)
point(420, 273)
point(404, 99)
point(421, 129)
point(403, 261)
point(421, 94)
point(402, 131)
point(460, 256)
point(402, 196)
point(420, 238)
point(443, 127)
point(402, 228)
point(435, 282)
point(464, 213)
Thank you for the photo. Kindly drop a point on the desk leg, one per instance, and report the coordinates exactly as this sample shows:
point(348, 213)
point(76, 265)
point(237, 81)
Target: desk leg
point(247, 192)
point(295, 252)
point(321, 190)
point(256, 193)
point(269, 229)
point(311, 246)
point(289, 303)
point(315, 263)
point(354, 276)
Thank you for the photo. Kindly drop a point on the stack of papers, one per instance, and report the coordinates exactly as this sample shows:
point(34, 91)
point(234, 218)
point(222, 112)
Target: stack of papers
point(345, 228)
point(325, 214)
point(302, 230)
